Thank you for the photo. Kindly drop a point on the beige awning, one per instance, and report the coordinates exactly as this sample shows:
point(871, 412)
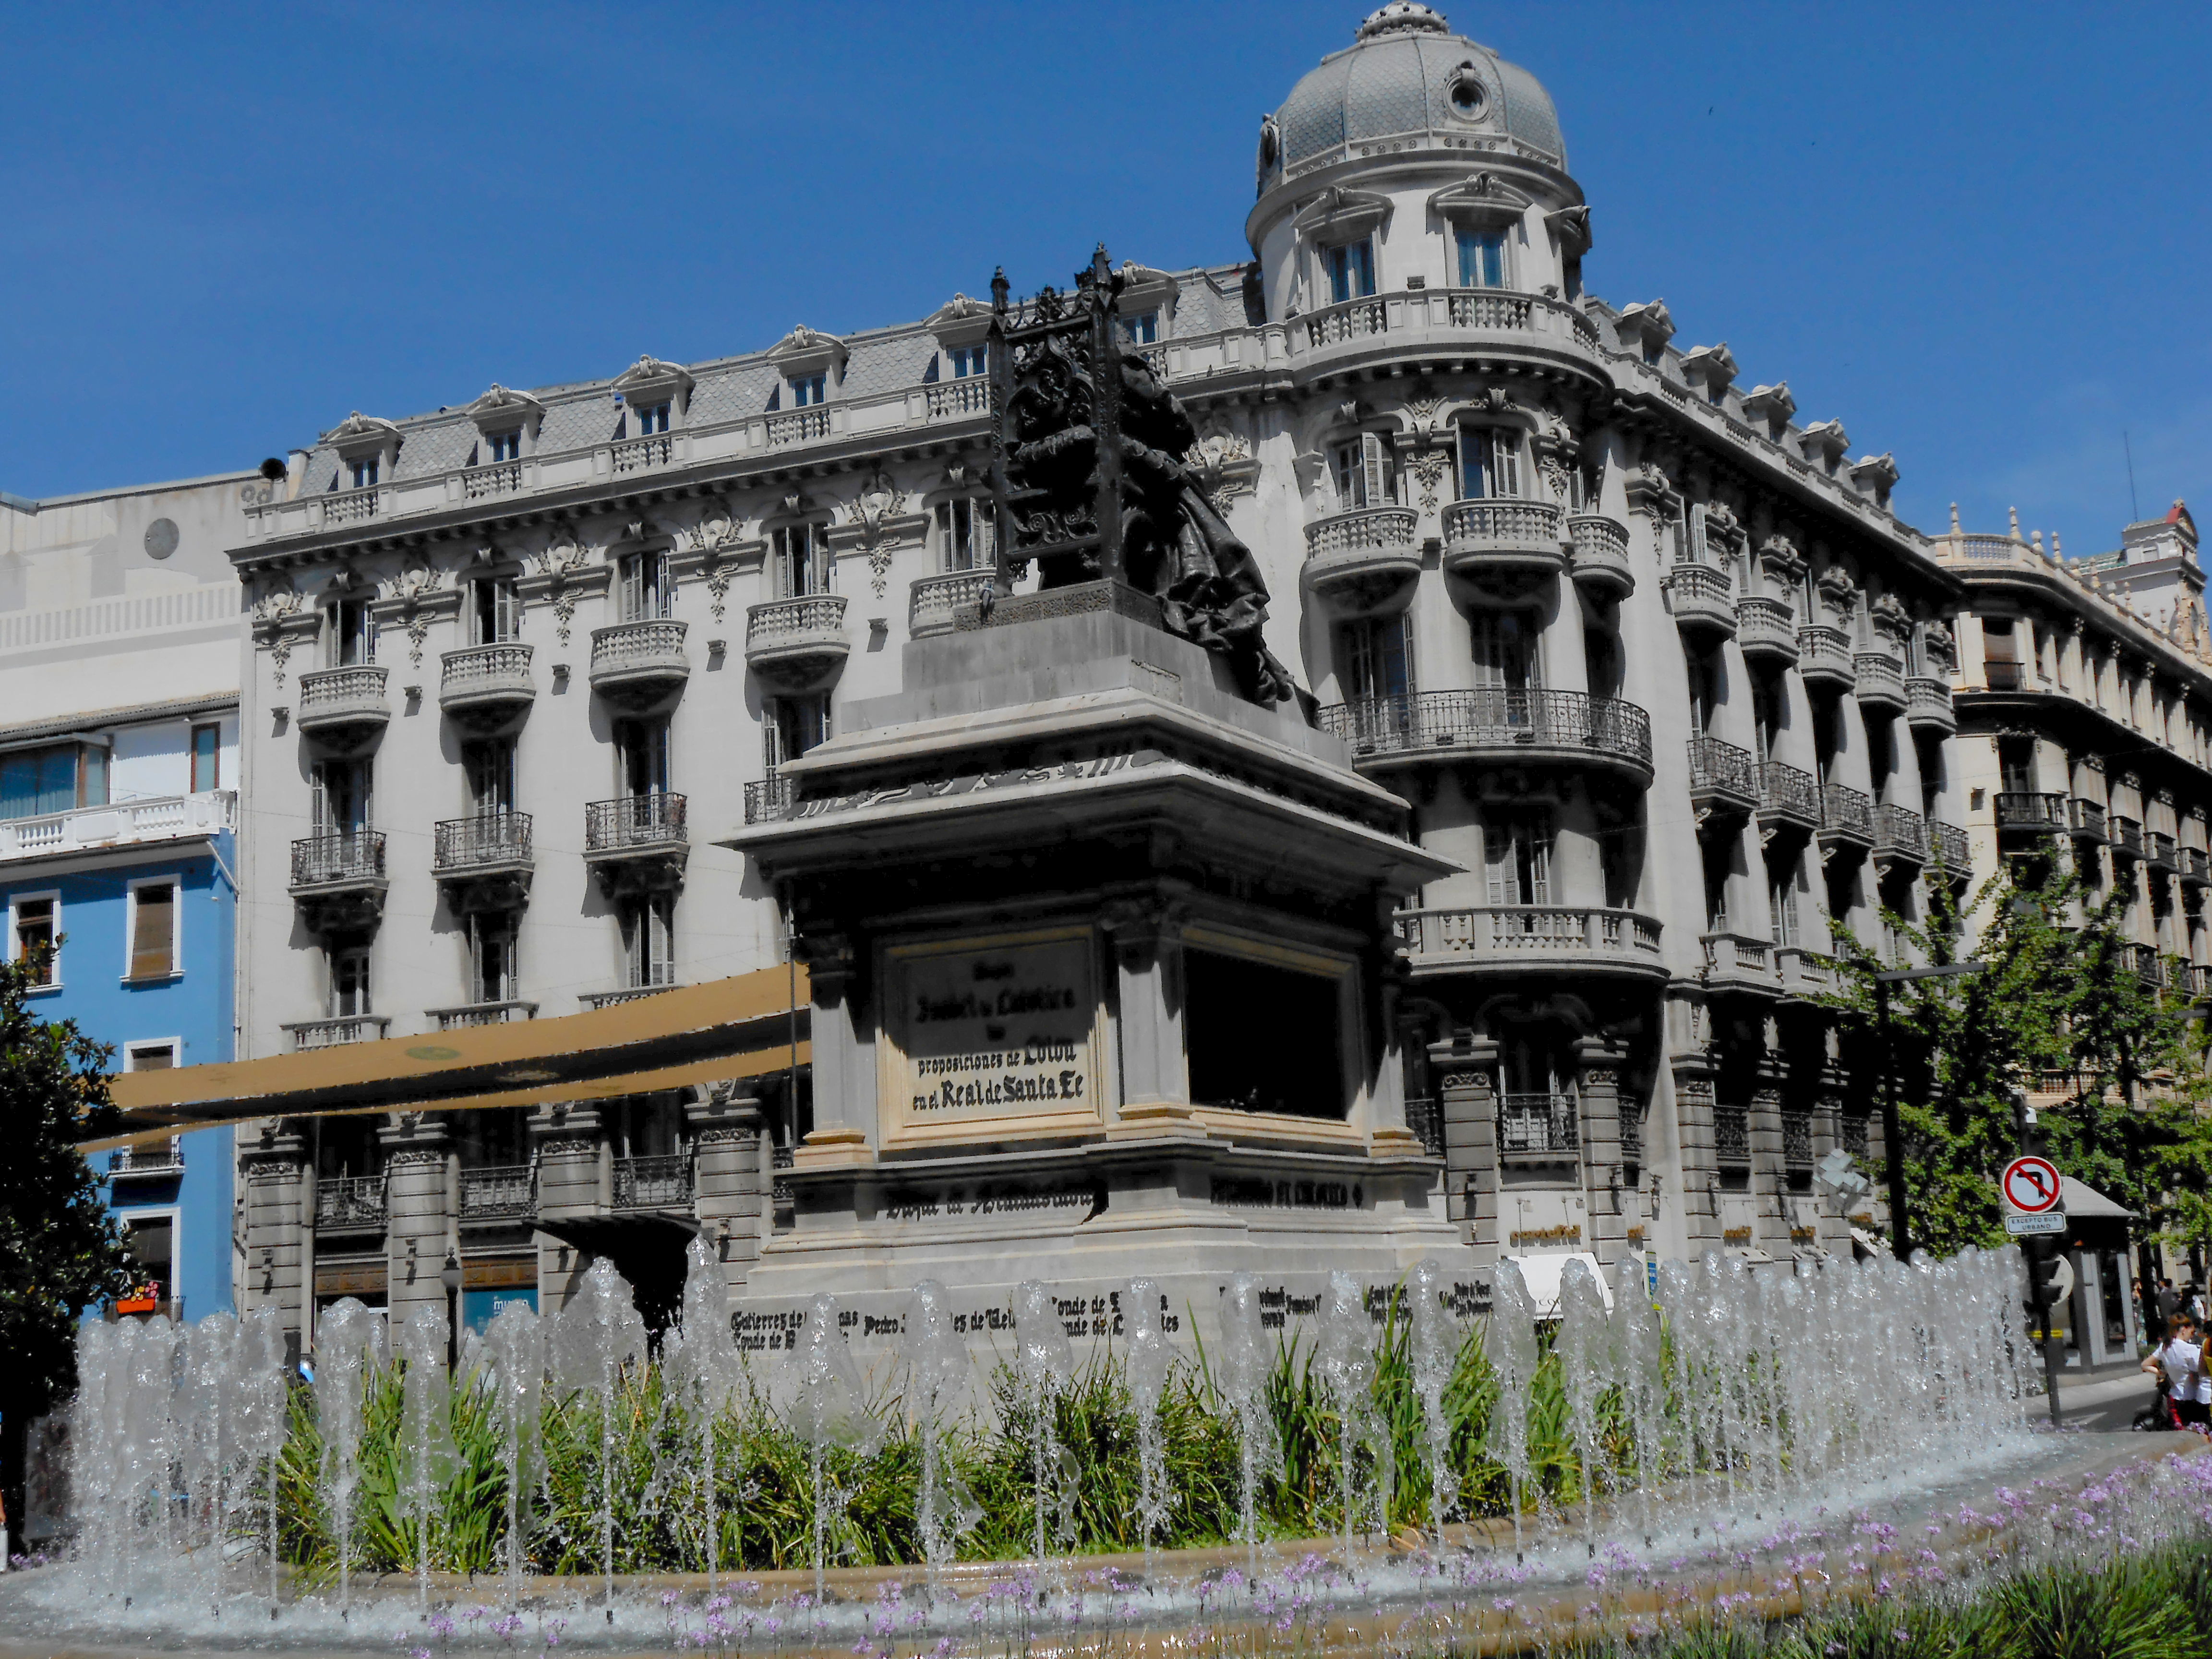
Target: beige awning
point(751, 1025)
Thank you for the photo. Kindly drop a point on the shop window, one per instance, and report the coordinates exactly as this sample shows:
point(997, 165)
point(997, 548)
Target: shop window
point(1262, 1038)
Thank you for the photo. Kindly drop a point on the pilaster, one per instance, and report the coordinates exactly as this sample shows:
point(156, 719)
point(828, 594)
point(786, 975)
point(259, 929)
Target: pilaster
point(1466, 1070)
point(1770, 1214)
point(1146, 937)
point(419, 1225)
point(1598, 1061)
point(274, 1165)
point(730, 1163)
point(570, 1183)
point(1693, 1128)
point(1834, 1229)
point(844, 1079)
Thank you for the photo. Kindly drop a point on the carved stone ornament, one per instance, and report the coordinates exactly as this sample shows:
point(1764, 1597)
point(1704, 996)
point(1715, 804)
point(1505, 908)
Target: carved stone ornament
point(417, 582)
point(1784, 564)
point(1889, 615)
point(1425, 415)
point(278, 601)
point(1429, 468)
point(1940, 646)
point(870, 510)
point(1471, 1082)
point(561, 562)
point(1838, 594)
point(570, 1146)
point(1221, 464)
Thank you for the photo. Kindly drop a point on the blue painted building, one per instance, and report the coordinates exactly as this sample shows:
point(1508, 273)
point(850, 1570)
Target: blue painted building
point(119, 641)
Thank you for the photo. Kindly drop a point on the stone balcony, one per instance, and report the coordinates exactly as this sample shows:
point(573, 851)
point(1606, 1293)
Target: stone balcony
point(472, 1014)
point(2165, 856)
point(798, 645)
point(1789, 800)
point(344, 1202)
point(1521, 939)
point(1881, 681)
point(333, 1033)
point(638, 664)
point(1503, 544)
point(485, 686)
point(1766, 631)
point(950, 399)
point(1807, 973)
point(637, 843)
point(1900, 838)
point(483, 861)
point(1736, 962)
point(121, 823)
point(2086, 821)
point(498, 1192)
point(1598, 555)
point(1928, 705)
point(344, 707)
point(1702, 600)
point(339, 881)
point(2195, 869)
point(1502, 726)
point(1847, 825)
point(1724, 781)
point(1363, 562)
point(1825, 660)
point(2028, 814)
point(1333, 339)
point(932, 602)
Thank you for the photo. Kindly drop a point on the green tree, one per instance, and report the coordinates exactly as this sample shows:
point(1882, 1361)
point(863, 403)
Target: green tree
point(2059, 999)
point(60, 1250)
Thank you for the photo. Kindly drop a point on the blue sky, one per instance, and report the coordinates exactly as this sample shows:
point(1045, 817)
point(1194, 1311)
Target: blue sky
point(1975, 232)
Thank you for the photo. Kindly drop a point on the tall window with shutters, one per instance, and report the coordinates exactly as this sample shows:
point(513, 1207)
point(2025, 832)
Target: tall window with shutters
point(802, 559)
point(349, 997)
point(1517, 859)
point(490, 764)
point(491, 957)
point(1365, 469)
point(1506, 654)
point(352, 633)
point(1351, 268)
point(648, 925)
point(647, 594)
point(495, 611)
point(153, 930)
point(793, 726)
point(641, 755)
point(34, 929)
point(1489, 463)
point(1375, 655)
point(1481, 257)
point(1782, 905)
point(339, 797)
point(963, 533)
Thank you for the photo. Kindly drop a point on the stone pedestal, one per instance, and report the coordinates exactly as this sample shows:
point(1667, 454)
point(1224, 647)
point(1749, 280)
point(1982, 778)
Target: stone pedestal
point(419, 1213)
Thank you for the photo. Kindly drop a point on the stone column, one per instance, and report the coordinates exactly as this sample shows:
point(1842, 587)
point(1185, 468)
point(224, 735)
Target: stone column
point(1598, 1062)
point(419, 1226)
point(1146, 941)
point(729, 1154)
point(273, 1164)
point(568, 1136)
point(844, 1077)
point(1701, 1180)
point(1835, 1230)
point(1466, 1070)
point(1770, 1225)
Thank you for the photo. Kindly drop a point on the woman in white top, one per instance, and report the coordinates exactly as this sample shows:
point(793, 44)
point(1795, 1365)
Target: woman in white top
point(2181, 1358)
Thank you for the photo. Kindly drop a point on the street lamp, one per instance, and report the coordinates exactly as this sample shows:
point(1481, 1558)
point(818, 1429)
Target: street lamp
point(450, 1277)
point(1893, 1139)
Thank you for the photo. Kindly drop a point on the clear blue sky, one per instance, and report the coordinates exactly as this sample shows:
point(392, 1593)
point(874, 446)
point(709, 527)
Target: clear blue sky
point(1978, 232)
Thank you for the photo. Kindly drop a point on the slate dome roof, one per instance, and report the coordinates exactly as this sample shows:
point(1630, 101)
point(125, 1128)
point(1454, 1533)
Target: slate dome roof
point(1406, 75)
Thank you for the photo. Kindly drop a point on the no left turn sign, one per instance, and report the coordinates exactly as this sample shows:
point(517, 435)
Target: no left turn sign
point(2030, 1185)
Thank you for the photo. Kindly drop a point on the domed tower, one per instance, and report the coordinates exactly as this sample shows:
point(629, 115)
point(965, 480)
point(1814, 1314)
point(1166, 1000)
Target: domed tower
point(1415, 157)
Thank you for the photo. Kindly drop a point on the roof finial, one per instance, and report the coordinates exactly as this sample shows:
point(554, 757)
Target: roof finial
point(1954, 518)
point(2035, 540)
point(2014, 512)
point(2055, 552)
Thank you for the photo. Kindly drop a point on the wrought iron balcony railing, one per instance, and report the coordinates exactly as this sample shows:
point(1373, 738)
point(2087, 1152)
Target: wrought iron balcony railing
point(1493, 718)
point(651, 1183)
point(634, 821)
point(350, 1202)
point(485, 838)
point(350, 856)
point(1535, 1126)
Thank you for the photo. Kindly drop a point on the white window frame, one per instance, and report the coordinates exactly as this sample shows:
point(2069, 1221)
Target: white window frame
point(331, 960)
point(1142, 328)
point(1479, 448)
point(1363, 469)
point(653, 419)
point(503, 447)
point(980, 541)
point(650, 913)
point(969, 362)
point(1463, 236)
point(175, 1045)
point(808, 391)
point(131, 890)
point(1353, 271)
point(364, 472)
point(821, 559)
point(174, 1215)
point(15, 903)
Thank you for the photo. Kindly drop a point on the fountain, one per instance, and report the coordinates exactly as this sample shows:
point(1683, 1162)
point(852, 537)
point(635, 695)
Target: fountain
point(1670, 1421)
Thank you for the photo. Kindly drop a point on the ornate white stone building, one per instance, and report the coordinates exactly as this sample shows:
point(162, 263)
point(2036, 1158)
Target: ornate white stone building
point(1651, 659)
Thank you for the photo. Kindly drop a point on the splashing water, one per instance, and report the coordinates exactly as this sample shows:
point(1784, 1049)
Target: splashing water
point(700, 1357)
point(515, 1343)
point(348, 1346)
point(596, 1333)
point(1346, 1358)
point(937, 1365)
point(1434, 1338)
point(1043, 1367)
point(829, 1407)
point(1147, 1357)
point(1245, 1364)
point(426, 1436)
point(1513, 1359)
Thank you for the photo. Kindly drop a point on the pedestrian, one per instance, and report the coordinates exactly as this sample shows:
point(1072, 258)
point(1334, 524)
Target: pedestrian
point(2169, 1304)
point(2180, 1365)
point(2142, 1310)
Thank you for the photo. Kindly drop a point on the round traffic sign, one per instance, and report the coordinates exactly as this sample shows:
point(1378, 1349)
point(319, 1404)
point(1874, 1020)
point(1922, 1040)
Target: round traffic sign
point(2031, 1185)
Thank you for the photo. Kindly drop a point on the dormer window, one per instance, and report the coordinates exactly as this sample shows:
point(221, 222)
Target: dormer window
point(1489, 463)
point(968, 362)
point(364, 473)
point(503, 446)
point(1481, 257)
point(650, 419)
point(1351, 270)
point(807, 389)
point(1366, 472)
point(1143, 329)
